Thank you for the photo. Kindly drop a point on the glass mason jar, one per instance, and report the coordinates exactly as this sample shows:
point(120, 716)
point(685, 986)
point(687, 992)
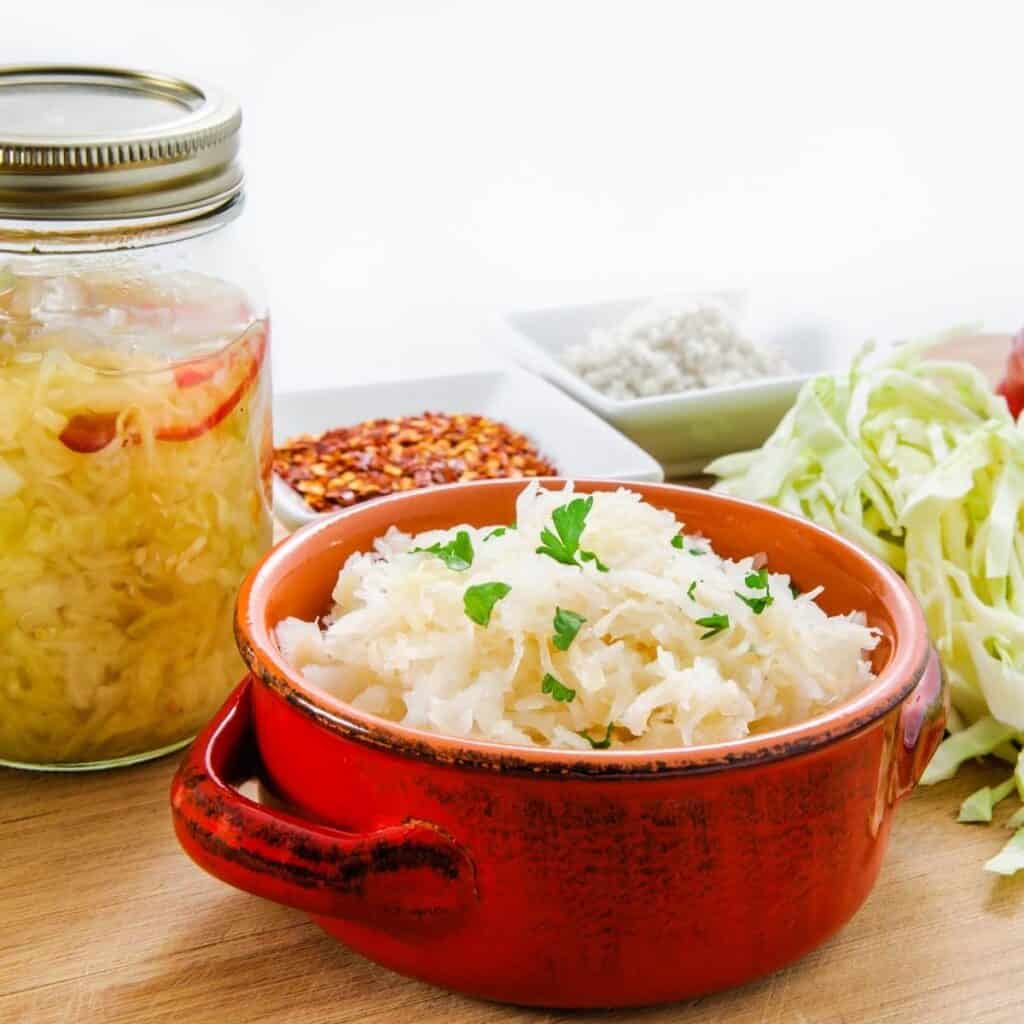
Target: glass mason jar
point(135, 437)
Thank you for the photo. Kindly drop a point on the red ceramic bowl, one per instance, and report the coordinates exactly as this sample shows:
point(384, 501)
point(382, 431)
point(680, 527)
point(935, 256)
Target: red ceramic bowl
point(561, 878)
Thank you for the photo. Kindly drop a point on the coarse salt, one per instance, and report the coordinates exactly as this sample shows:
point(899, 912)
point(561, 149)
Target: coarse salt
point(663, 349)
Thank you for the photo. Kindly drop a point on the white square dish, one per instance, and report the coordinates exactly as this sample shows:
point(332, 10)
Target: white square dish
point(686, 430)
point(579, 443)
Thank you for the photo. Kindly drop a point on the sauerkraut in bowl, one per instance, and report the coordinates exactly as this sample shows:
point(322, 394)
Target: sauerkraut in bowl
point(134, 496)
point(591, 622)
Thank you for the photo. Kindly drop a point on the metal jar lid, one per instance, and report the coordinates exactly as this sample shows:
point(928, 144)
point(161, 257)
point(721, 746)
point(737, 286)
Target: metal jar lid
point(98, 143)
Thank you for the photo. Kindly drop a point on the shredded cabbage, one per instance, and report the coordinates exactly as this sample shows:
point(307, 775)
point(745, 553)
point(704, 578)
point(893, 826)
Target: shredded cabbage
point(975, 741)
point(1010, 858)
point(918, 461)
point(648, 640)
point(133, 499)
point(979, 805)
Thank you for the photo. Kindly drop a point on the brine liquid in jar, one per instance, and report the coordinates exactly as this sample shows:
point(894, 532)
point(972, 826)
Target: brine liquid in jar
point(135, 457)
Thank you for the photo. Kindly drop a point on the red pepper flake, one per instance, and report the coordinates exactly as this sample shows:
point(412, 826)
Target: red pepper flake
point(345, 466)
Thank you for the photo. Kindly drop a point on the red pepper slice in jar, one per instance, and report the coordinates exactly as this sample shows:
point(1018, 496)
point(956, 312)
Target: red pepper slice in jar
point(231, 377)
point(89, 432)
point(1012, 385)
point(227, 378)
point(199, 372)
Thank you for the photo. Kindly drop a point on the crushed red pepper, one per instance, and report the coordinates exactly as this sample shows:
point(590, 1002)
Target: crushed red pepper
point(347, 465)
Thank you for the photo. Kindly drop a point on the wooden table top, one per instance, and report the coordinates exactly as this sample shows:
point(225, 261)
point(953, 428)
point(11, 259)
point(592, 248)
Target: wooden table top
point(105, 921)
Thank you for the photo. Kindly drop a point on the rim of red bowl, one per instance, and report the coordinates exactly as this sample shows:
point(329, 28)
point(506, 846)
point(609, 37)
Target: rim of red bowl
point(890, 687)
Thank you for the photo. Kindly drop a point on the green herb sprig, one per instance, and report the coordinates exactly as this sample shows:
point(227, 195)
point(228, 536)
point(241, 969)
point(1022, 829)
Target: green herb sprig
point(556, 689)
point(757, 581)
point(457, 554)
point(564, 544)
point(589, 556)
point(479, 600)
point(601, 744)
point(714, 623)
point(566, 625)
point(499, 531)
point(756, 604)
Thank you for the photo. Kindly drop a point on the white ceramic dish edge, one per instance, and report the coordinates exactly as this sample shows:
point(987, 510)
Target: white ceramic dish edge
point(578, 442)
point(686, 430)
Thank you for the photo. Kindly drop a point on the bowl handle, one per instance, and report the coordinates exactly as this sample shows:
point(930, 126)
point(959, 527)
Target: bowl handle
point(922, 725)
point(403, 878)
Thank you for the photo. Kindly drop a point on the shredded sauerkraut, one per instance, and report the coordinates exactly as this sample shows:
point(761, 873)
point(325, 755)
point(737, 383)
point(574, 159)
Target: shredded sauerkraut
point(133, 499)
point(593, 622)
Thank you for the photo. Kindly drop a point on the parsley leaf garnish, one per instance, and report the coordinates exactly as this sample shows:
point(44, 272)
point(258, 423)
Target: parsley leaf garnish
point(589, 556)
point(498, 531)
point(757, 580)
point(564, 544)
point(558, 690)
point(756, 604)
point(569, 521)
point(690, 589)
point(695, 551)
point(602, 744)
point(456, 554)
point(566, 625)
point(479, 600)
point(714, 623)
point(678, 542)
point(795, 590)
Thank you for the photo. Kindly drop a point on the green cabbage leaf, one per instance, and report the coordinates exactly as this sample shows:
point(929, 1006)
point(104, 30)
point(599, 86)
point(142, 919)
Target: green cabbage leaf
point(918, 461)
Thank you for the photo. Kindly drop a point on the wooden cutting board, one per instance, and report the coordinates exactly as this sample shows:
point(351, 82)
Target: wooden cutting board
point(105, 921)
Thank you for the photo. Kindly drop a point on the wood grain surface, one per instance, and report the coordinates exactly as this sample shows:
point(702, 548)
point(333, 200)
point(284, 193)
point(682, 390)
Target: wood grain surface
point(105, 921)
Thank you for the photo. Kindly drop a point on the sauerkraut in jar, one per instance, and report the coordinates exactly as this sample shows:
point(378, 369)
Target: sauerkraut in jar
point(134, 497)
point(135, 437)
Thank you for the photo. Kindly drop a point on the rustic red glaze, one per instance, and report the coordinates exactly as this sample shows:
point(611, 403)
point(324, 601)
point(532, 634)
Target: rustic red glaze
point(561, 878)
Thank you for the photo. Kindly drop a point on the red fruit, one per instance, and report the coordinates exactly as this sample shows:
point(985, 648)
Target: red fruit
point(1012, 385)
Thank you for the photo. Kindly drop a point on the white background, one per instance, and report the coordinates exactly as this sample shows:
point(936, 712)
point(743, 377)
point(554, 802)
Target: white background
point(416, 167)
